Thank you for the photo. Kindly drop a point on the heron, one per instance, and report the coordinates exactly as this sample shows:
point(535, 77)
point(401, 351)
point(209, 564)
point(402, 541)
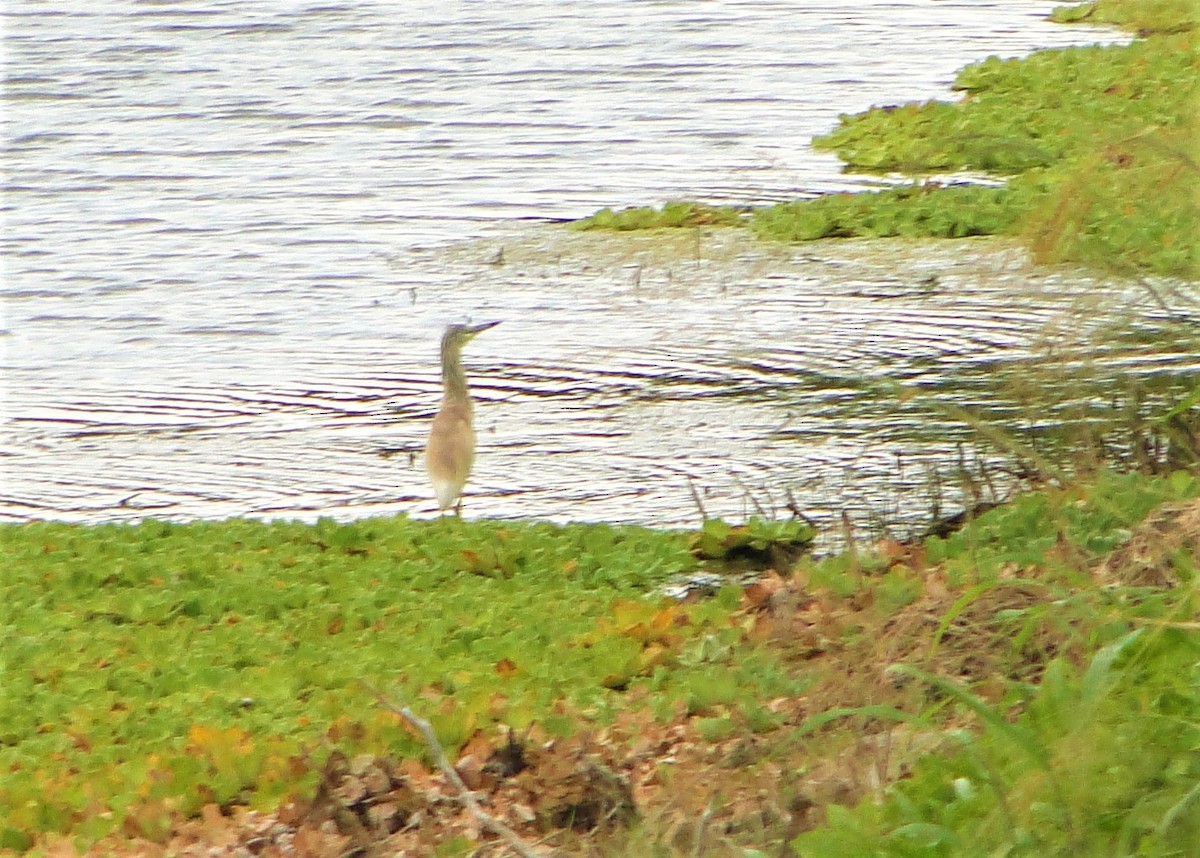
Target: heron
point(450, 450)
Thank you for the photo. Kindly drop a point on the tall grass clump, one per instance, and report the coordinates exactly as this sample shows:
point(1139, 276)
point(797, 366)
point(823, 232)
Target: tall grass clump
point(1100, 761)
point(1094, 752)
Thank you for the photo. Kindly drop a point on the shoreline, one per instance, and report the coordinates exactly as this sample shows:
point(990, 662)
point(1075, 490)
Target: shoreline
point(1092, 143)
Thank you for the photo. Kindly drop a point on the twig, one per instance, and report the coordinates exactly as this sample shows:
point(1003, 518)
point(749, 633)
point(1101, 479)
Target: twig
point(848, 537)
point(1158, 299)
point(485, 819)
point(697, 501)
point(794, 509)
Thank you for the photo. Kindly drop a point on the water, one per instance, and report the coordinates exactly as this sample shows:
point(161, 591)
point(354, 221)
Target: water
point(235, 231)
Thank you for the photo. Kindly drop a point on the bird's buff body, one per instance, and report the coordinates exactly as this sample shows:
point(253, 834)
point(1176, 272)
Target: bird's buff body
point(450, 451)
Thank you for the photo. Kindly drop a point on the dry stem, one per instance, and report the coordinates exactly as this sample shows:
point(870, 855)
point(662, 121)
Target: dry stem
point(485, 819)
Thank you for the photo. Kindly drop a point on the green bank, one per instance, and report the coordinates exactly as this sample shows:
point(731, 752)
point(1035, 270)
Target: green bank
point(151, 669)
point(1046, 682)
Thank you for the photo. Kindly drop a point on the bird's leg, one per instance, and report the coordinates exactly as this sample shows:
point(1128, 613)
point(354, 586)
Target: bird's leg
point(458, 508)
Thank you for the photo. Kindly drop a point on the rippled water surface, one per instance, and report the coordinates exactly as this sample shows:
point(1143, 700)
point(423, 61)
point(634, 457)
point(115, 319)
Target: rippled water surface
point(234, 233)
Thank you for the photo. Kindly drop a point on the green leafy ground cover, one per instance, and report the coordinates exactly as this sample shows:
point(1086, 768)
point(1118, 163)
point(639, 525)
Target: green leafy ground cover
point(151, 669)
point(1048, 708)
point(1099, 145)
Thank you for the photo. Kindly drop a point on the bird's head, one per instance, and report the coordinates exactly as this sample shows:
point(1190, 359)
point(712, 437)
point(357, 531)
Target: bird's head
point(457, 336)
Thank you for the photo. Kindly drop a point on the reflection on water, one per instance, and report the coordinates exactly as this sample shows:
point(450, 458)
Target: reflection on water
point(234, 233)
point(628, 371)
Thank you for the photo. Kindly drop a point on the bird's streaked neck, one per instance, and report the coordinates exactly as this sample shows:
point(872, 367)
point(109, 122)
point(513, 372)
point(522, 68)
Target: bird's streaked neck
point(453, 377)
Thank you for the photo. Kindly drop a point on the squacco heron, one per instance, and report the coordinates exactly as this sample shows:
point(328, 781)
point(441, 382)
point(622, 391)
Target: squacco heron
point(450, 450)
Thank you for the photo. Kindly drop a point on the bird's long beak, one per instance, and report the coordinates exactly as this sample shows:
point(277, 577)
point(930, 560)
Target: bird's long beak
point(479, 329)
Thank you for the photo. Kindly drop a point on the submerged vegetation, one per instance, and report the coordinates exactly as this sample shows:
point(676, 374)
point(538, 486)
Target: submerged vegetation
point(1098, 146)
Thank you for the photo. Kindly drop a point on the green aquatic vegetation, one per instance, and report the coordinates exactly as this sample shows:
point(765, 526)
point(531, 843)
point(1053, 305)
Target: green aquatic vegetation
point(1097, 142)
point(758, 541)
point(1146, 17)
point(1021, 114)
point(671, 215)
point(912, 211)
point(152, 668)
point(1097, 145)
